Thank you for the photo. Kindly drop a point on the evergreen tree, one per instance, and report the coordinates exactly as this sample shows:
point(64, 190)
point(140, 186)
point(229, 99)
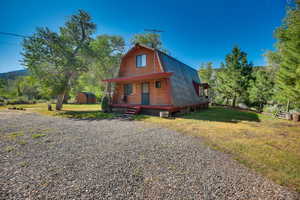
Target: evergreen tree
point(261, 89)
point(233, 79)
point(288, 48)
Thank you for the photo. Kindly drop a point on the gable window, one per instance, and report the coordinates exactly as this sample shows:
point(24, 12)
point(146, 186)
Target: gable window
point(157, 84)
point(141, 60)
point(128, 89)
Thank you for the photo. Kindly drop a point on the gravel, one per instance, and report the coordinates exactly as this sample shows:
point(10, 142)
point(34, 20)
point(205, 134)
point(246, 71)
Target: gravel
point(117, 159)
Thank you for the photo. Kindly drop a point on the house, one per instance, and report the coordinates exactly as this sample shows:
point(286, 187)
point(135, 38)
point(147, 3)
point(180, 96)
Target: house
point(151, 81)
point(85, 98)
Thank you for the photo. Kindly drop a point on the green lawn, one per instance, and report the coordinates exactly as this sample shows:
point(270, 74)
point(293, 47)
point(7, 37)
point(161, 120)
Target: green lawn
point(78, 111)
point(269, 146)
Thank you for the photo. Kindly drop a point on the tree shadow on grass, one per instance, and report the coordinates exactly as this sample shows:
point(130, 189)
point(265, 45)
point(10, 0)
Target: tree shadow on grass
point(219, 114)
point(87, 115)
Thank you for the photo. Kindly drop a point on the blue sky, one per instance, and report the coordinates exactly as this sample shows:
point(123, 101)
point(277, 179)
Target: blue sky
point(195, 31)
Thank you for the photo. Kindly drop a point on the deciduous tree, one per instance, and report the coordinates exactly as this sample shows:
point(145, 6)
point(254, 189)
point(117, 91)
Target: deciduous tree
point(152, 40)
point(55, 59)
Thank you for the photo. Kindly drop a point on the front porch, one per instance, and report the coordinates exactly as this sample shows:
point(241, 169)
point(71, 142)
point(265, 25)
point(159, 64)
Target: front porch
point(156, 109)
point(148, 90)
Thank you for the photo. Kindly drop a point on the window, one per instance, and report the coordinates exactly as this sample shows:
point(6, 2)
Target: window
point(127, 89)
point(157, 84)
point(141, 60)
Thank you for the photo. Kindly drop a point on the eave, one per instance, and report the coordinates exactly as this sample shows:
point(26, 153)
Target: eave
point(149, 76)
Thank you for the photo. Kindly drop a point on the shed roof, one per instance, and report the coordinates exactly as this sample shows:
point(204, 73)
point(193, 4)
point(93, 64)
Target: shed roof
point(89, 94)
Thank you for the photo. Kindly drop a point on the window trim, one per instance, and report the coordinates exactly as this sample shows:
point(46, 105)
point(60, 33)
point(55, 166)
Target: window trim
point(157, 83)
point(125, 87)
point(136, 60)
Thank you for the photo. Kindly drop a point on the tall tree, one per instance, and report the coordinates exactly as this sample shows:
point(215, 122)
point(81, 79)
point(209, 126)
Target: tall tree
point(233, 78)
point(207, 75)
point(206, 72)
point(152, 40)
point(288, 49)
point(261, 88)
point(105, 53)
point(55, 59)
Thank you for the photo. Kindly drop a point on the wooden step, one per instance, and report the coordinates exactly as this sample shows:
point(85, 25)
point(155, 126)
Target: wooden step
point(132, 110)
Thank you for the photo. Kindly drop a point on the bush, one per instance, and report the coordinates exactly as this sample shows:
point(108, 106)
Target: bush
point(19, 100)
point(105, 104)
point(41, 101)
point(273, 109)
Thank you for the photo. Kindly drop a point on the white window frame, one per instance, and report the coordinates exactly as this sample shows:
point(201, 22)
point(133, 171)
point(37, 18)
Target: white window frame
point(142, 62)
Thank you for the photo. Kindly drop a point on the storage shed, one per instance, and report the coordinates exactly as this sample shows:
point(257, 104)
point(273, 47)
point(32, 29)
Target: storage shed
point(85, 98)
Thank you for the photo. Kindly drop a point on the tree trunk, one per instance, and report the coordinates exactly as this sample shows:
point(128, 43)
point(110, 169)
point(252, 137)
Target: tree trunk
point(226, 101)
point(60, 100)
point(108, 92)
point(261, 106)
point(233, 101)
point(288, 106)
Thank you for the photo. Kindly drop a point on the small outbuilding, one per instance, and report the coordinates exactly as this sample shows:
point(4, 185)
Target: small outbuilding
point(85, 98)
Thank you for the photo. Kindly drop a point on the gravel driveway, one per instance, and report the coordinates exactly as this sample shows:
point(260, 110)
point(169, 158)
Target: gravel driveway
point(45, 157)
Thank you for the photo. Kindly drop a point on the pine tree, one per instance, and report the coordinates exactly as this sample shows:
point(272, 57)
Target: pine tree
point(288, 47)
point(233, 78)
point(261, 89)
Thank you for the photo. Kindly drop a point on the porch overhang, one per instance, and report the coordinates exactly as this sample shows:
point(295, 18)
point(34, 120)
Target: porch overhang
point(149, 76)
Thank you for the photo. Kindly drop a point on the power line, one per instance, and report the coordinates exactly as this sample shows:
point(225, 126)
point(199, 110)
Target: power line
point(154, 30)
point(13, 34)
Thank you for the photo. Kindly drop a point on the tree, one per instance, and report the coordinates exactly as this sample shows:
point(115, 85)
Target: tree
point(206, 72)
point(55, 59)
point(105, 54)
point(261, 88)
point(151, 40)
point(288, 50)
point(233, 78)
point(207, 75)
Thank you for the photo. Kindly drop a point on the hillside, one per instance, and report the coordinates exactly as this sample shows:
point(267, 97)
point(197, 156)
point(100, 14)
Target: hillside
point(14, 74)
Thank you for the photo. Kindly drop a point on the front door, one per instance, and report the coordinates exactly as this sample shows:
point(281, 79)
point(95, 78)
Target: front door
point(145, 94)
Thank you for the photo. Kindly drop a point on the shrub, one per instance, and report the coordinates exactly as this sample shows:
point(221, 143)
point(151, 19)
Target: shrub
point(105, 104)
point(272, 109)
point(19, 100)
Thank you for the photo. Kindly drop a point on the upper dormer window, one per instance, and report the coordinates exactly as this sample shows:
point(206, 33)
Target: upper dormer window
point(141, 60)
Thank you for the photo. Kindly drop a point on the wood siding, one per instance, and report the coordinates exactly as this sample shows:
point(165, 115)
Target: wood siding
point(128, 64)
point(158, 96)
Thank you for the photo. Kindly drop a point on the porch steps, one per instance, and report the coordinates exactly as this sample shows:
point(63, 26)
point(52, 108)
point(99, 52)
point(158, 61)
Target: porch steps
point(133, 111)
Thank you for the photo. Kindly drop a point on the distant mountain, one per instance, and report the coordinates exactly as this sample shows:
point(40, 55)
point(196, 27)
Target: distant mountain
point(14, 74)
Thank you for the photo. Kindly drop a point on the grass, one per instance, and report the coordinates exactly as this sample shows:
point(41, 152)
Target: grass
point(15, 135)
point(37, 135)
point(9, 148)
point(269, 146)
point(76, 111)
